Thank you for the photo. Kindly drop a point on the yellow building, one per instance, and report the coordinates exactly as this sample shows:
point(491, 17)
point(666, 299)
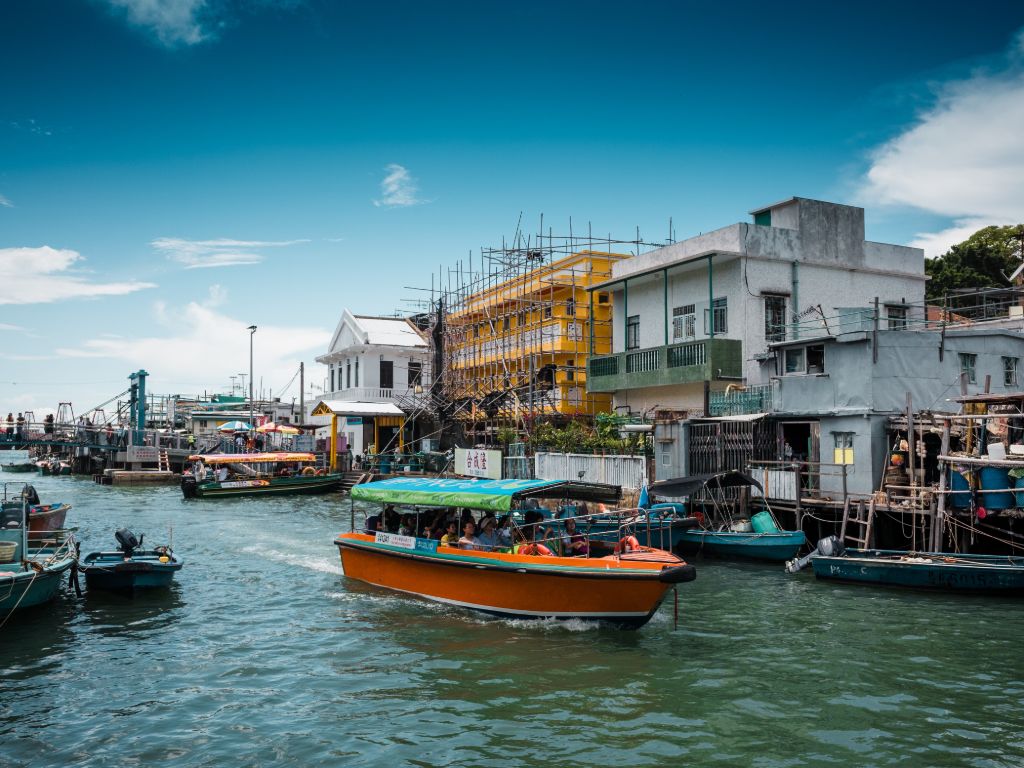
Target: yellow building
point(518, 348)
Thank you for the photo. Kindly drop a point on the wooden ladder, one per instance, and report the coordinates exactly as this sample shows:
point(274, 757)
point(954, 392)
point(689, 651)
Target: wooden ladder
point(864, 520)
point(163, 462)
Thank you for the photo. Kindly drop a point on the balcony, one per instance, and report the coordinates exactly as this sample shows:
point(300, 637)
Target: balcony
point(689, 363)
point(369, 394)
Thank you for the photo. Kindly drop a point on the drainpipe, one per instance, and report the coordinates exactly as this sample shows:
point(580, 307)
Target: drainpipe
point(625, 314)
point(711, 297)
point(795, 280)
point(664, 278)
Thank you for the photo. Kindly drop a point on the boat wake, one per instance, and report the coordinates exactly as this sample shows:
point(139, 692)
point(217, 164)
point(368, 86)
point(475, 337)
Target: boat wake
point(322, 564)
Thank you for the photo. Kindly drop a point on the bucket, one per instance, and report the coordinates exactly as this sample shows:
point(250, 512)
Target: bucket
point(7, 551)
point(959, 483)
point(741, 526)
point(385, 466)
point(996, 478)
point(762, 522)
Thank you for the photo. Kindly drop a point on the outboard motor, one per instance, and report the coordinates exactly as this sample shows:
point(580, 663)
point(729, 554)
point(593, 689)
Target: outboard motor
point(830, 546)
point(188, 486)
point(127, 543)
point(29, 494)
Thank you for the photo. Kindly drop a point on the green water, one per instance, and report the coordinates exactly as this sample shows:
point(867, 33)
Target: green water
point(263, 654)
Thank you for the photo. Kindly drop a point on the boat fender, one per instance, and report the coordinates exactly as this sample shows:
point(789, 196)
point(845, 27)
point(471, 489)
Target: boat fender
point(308, 471)
point(627, 544)
point(164, 559)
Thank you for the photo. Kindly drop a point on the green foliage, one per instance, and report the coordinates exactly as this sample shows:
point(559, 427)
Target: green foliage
point(984, 260)
point(577, 437)
point(507, 435)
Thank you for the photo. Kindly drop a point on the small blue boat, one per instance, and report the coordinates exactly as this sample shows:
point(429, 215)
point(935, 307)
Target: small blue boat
point(945, 571)
point(31, 573)
point(663, 526)
point(719, 534)
point(130, 569)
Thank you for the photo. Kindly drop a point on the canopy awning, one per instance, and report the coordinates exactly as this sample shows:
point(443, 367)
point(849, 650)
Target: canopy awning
point(353, 408)
point(251, 458)
point(494, 495)
point(687, 486)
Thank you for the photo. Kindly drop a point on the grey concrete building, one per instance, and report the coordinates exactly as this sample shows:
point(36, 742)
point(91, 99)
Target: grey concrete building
point(692, 317)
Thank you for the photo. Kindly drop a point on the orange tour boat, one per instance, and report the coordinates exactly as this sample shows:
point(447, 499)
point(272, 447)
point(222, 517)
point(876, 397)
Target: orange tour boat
point(624, 589)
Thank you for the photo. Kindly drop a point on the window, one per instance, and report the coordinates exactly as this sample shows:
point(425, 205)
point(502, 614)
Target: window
point(897, 318)
point(332, 377)
point(795, 360)
point(506, 323)
point(415, 374)
point(547, 311)
point(570, 308)
point(1009, 371)
point(719, 317)
point(602, 298)
point(684, 322)
point(968, 362)
point(522, 319)
point(763, 218)
point(348, 374)
point(633, 332)
point(774, 318)
point(357, 371)
point(387, 374)
point(570, 369)
point(816, 359)
point(843, 452)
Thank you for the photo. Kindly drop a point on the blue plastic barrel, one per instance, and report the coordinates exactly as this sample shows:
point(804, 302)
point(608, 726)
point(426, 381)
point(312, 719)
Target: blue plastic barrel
point(959, 483)
point(998, 479)
point(1019, 494)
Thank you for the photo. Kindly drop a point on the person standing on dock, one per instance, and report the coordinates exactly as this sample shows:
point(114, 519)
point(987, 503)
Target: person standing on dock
point(10, 426)
point(20, 432)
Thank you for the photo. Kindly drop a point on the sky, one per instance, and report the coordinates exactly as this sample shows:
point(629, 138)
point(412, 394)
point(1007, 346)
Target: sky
point(174, 171)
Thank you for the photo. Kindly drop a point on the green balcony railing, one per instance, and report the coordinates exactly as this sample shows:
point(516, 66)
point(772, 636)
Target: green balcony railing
point(696, 361)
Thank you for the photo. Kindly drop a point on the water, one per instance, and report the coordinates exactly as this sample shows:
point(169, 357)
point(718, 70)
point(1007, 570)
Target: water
point(263, 654)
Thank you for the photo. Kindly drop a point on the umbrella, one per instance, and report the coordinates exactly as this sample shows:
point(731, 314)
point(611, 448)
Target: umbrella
point(284, 429)
point(234, 426)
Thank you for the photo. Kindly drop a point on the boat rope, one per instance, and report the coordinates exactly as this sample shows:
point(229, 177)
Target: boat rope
point(953, 522)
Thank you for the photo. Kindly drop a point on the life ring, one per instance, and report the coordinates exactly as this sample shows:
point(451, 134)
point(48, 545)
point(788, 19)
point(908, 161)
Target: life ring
point(535, 549)
point(307, 471)
point(627, 544)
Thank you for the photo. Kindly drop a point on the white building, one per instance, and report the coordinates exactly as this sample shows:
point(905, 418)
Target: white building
point(694, 316)
point(377, 371)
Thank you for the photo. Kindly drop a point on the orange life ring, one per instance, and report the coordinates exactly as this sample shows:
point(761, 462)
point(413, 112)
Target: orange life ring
point(535, 549)
point(307, 471)
point(627, 544)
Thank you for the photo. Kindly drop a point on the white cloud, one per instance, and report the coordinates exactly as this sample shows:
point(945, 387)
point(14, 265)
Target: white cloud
point(398, 188)
point(204, 347)
point(963, 158)
point(44, 275)
point(222, 252)
point(5, 202)
point(174, 22)
point(9, 327)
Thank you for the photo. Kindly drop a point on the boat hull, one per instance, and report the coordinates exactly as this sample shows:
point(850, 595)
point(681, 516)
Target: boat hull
point(516, 586)
point(775, 547)
point(276, 486)
point(46, 518)
point(940, 571)
point(110, 572)
point(18, 467)
point(25, 589)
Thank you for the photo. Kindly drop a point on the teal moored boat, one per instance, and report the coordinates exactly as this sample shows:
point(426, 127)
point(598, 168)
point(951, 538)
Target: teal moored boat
point(130, 569)
point(759, 538)
point(216, 476)
point(944, 571)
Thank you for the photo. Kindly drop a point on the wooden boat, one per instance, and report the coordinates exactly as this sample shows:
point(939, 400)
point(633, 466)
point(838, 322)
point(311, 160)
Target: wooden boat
point(130, 569)
point(946, 571)
point(46, 517)
point(256, 474)
point(623, 590)
point(720, 533)
point(18, 465)
point(30, 574)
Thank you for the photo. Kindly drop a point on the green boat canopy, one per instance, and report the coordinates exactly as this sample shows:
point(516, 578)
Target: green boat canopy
point(493, 495)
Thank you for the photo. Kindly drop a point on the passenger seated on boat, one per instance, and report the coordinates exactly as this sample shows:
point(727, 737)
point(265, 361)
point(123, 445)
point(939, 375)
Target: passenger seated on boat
point(574, 543)
point(489, 539)
point(469, 539)
point(373, 524)
point(392, 522)
point(466, 516)
point(408, 526)
point(451, 536)
point(222, 474)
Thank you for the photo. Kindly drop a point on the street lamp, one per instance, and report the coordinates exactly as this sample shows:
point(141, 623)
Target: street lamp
point(252, 332)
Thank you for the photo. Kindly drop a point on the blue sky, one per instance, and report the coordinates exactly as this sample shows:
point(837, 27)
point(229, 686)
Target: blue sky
point(172, 171)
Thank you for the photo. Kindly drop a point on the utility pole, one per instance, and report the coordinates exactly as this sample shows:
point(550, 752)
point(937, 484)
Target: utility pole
point(302, 392)
point(252, 405)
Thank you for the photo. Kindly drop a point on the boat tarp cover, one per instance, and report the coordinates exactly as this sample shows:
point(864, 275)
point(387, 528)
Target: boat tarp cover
point(252, 458)
point(687, 486)
point(495, 495)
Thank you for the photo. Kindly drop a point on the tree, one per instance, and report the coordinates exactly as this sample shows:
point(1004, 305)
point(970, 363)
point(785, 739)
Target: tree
point(984, 260)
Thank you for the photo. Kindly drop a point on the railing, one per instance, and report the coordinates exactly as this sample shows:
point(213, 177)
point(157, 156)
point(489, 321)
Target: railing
point(604, 366)
point(644, 360)
point(370, 393)
point(791, 480)
point(687, 354)
point(752, 399)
